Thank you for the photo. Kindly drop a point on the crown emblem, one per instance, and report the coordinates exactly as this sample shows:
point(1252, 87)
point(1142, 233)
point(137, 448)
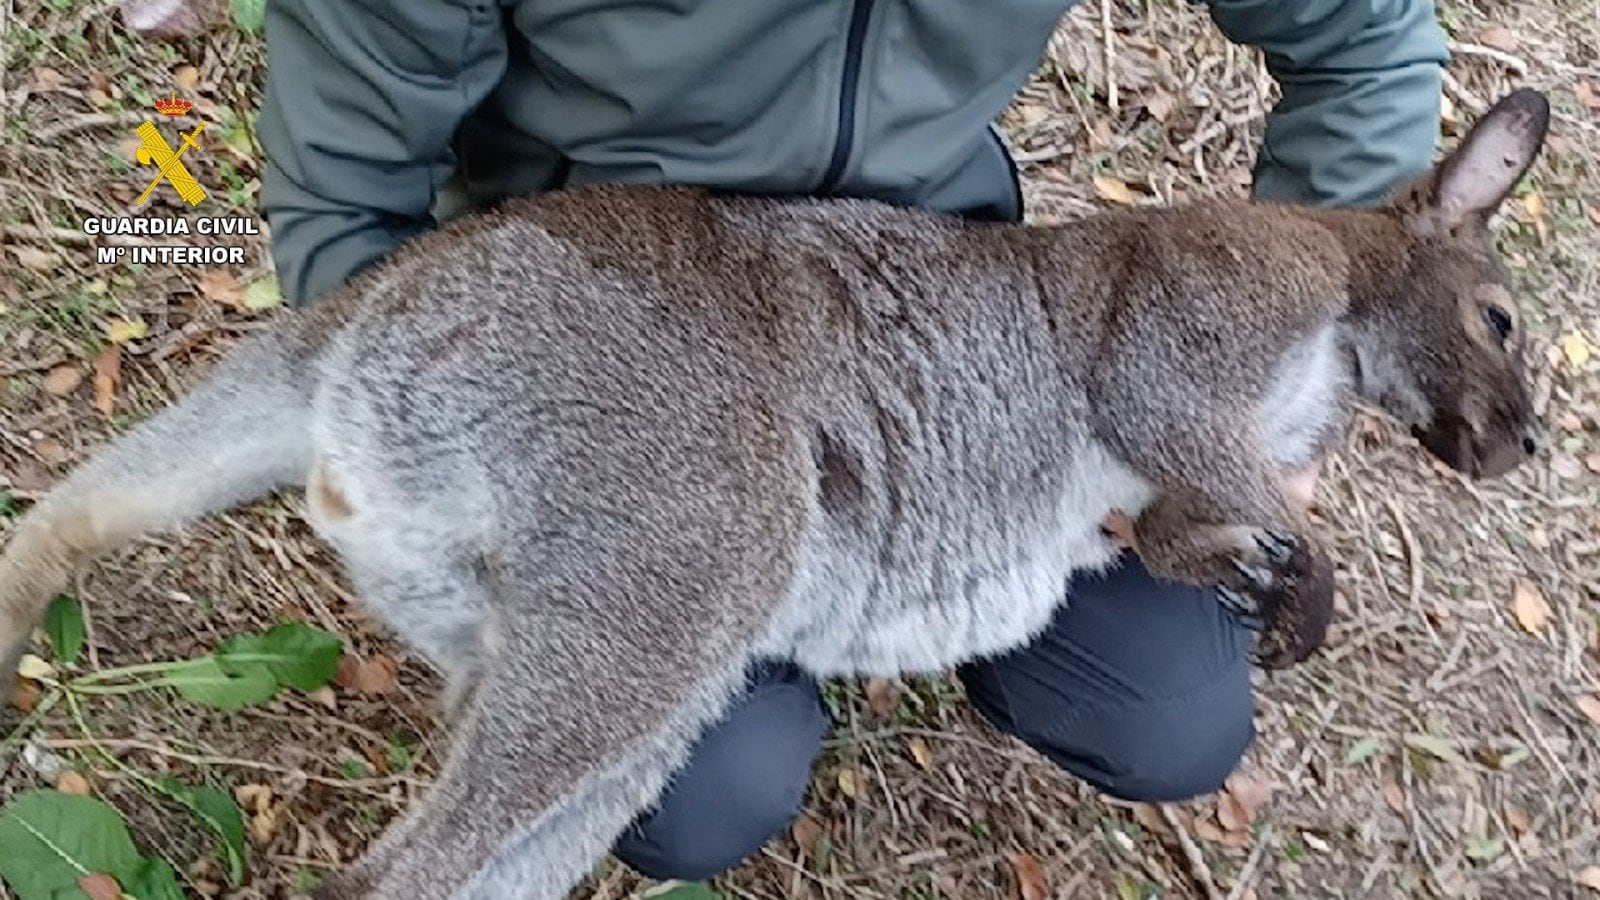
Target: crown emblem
point(172, 106)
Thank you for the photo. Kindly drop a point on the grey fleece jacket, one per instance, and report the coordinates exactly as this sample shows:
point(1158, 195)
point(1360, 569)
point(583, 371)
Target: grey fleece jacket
point(383, 115)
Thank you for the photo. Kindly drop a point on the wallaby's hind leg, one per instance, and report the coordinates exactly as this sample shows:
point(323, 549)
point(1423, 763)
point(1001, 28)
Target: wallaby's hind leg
point(588, 700)
point(634, 566)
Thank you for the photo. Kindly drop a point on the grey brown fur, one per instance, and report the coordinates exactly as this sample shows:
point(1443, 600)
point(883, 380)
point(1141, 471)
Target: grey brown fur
point(595, 451)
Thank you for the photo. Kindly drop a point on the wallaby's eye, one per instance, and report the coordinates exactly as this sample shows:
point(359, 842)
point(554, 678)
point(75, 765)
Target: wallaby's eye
point(1499, 322)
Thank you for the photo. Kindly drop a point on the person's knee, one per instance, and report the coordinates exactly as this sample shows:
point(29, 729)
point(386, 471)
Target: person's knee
point(1165, 756)
point(744, 783)
point(694, 841)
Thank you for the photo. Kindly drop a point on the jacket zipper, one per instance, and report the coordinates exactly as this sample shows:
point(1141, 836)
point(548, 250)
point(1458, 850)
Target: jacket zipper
point(860, 13)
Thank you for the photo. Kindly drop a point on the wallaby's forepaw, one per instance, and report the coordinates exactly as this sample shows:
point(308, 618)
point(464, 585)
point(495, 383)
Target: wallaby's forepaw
point(1276, 582)
point(1285, 593)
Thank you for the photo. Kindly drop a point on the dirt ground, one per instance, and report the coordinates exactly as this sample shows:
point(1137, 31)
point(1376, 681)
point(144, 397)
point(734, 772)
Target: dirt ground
point(1446, 744)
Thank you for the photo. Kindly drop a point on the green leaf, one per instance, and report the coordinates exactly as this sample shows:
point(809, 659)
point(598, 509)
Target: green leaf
point(355, 769)
point(155, 881)
point(63, 622)
point(1362, 750)
point(263, 293)
point(249, 15)
point(48, 839)
point(207, 684)
point(1485, 850)
point(1443, 748)
point(294, 653)
point(217, 811)
point(677, 890)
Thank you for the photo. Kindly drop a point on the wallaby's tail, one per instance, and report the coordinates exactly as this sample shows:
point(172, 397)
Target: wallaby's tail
point(243, 432)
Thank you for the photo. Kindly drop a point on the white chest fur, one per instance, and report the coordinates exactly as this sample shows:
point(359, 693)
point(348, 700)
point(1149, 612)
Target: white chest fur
point(1305, 401)
point(972, 594)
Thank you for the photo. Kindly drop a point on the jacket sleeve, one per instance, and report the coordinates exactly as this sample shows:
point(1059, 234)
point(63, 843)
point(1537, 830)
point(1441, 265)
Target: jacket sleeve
point(1360, 80)
point(362, 102)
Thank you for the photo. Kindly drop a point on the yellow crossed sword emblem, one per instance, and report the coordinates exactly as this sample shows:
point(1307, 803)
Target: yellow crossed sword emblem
point(153, 148)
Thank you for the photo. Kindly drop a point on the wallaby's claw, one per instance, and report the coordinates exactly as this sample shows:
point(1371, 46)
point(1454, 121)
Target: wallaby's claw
point(1236, 602)
point(1255, 577)
point(1278, 546)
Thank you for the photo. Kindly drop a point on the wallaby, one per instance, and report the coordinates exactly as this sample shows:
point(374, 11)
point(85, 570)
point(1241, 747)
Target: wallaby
point(596, 451)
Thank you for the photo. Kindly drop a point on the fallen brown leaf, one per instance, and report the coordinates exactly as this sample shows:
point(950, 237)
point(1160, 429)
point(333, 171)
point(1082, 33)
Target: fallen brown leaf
point(1517, 818)
point(1499, 37)
point(1030, 876)
point(1160, 105)
point(1253, 795)
point(187, 78)
point(1230, 814)
point(100, 886)
point(344, 675)
point(1395, 796)
point(921, 753)
point(1587, 94)
point(107, 374)
point(377, 676)
point(50, 450)
point(1207, 830)
point(1589, 705)
point(33, 258)
point(1539, 212)
point(253, 797)
point(25, 695)
point(63, 379)
point(45, 78)
point(1565, 465)
point(70, 782)
point(223, 287)
point(1150, 818)
point(1114, 190)
point(1589, 878)
point(806, 831)
point(883, 697)
point(263, 825)
point(1529, 606)
point(847, 783)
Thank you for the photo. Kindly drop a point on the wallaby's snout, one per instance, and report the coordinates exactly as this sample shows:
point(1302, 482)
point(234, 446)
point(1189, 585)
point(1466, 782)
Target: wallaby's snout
point(1481, 451)
point(1460, 380)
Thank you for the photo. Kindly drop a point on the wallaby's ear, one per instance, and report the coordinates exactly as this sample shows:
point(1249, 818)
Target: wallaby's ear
point(1472, 182)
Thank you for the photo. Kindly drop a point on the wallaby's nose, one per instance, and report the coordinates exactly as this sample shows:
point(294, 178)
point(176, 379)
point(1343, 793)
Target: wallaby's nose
point(1529, 445)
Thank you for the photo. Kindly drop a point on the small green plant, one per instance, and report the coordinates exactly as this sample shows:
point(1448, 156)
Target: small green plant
point(400, 751)
point(49, 840)
point(304, 880)
point(9, 507)
point(355, 769)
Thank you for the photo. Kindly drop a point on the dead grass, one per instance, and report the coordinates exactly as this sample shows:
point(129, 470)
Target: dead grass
point(1483, 778)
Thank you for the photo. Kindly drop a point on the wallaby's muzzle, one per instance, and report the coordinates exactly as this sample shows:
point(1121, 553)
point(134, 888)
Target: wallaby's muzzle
point(1477, 453)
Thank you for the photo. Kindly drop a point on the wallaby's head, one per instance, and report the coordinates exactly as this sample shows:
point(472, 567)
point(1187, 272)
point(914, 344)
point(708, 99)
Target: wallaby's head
point(1441, 345)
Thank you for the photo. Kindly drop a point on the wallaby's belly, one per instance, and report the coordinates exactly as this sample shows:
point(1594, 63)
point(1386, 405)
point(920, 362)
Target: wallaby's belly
point(954, 597)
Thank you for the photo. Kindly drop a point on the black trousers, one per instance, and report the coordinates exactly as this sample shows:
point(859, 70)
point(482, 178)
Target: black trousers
point(1140, 687)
